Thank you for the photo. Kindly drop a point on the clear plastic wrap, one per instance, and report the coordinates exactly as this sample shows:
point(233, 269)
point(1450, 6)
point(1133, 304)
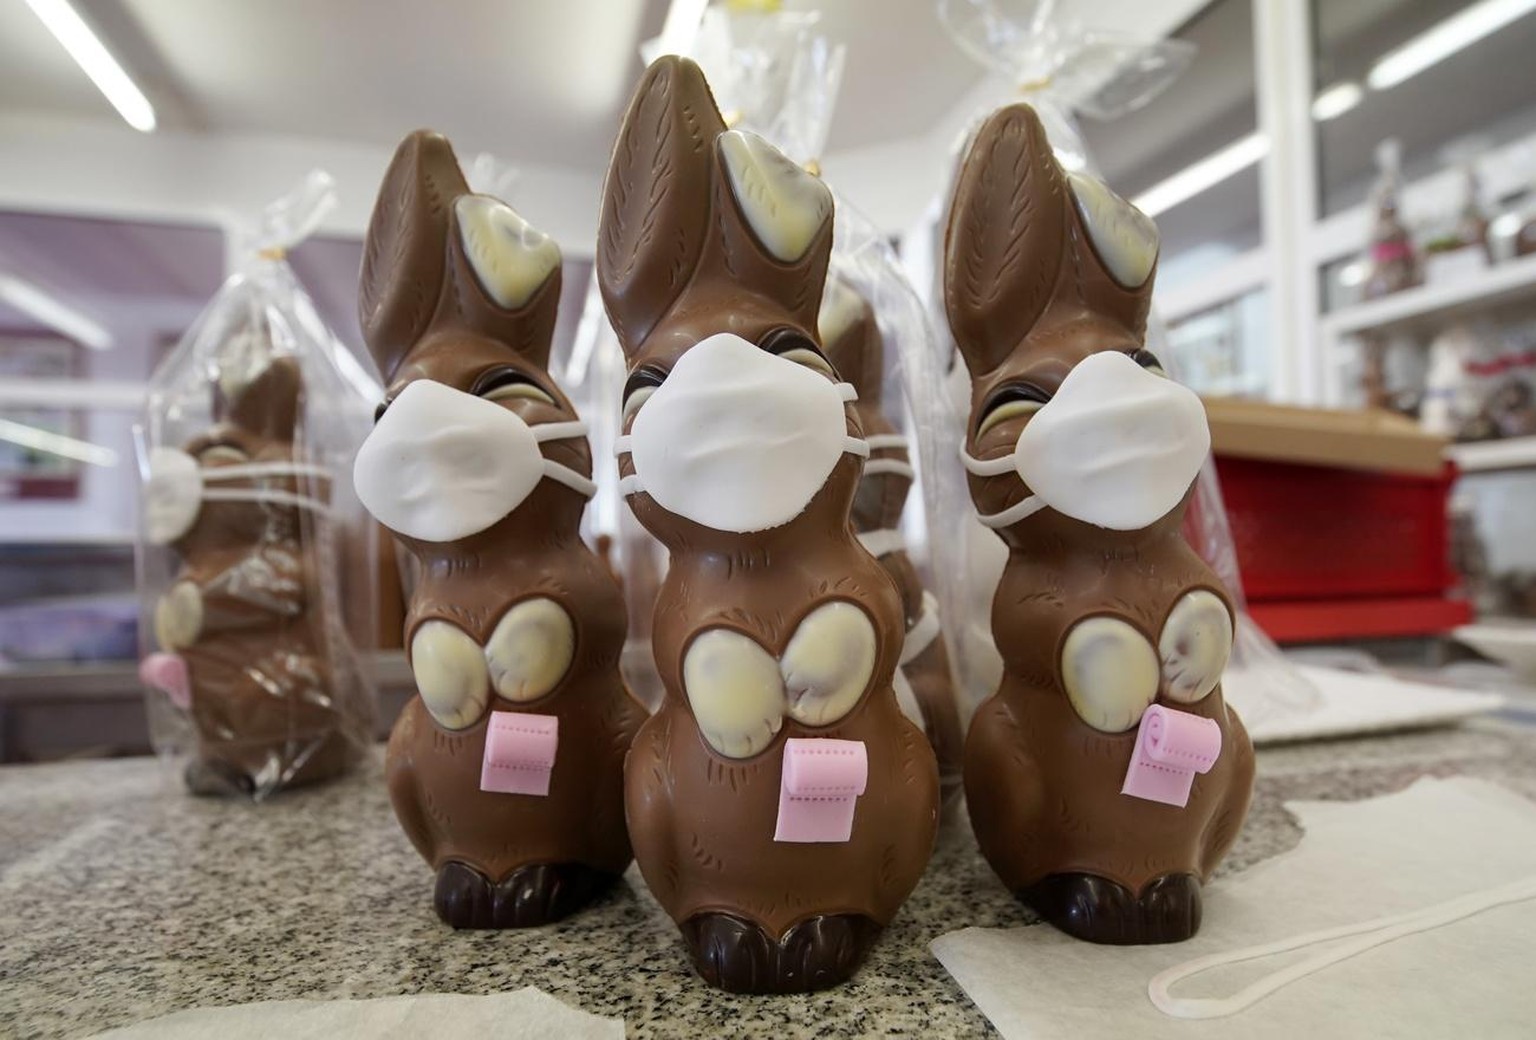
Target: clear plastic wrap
point(1062, 69)
point(257, 565)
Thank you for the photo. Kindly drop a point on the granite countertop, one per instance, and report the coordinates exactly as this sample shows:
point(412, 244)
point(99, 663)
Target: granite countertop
point(121, 898)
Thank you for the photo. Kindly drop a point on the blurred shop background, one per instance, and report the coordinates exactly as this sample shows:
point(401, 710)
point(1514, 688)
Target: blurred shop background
point(1344, 189)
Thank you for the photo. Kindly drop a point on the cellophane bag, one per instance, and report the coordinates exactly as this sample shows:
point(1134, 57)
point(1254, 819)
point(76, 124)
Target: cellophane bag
point(1062, 69)
point(256, 563)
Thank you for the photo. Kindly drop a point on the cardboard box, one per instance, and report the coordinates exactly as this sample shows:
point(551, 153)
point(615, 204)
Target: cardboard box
point(1377, 441)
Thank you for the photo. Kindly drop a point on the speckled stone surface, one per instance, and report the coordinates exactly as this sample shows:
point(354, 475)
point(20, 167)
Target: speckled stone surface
point(121, 899)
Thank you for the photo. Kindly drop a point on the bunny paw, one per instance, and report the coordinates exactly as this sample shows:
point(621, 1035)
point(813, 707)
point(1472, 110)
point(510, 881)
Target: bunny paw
point(1099, 910)
point(739, 957)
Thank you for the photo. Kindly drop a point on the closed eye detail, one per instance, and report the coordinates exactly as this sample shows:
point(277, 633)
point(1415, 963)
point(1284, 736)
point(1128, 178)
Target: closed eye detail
point(222, 453)
point(1010, 401)
point(797, 347)
point(506, 384)
point(1148, 360)
point(641, 385)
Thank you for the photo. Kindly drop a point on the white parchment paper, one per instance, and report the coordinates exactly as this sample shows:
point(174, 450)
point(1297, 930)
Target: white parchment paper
point(1358, 860)
point(526, 1014)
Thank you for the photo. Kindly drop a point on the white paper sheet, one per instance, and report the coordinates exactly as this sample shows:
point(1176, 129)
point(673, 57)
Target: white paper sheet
point(1358, 860)
point(526, 1014)
point(1351, 702)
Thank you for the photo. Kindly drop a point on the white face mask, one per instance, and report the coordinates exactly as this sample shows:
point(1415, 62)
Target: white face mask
point(441, 464)
point(1117, 447)
point(738, 439)
point(177, 487)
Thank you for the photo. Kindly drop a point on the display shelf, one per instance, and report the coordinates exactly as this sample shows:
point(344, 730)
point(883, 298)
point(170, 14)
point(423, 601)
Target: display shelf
point(1492, 456)
point(1333, 620)
point(1428, 305)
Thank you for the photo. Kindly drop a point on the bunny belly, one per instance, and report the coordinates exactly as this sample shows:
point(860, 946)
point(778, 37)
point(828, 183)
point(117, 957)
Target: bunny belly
point(434, 784)
point(1052, 801)
point(703, 825)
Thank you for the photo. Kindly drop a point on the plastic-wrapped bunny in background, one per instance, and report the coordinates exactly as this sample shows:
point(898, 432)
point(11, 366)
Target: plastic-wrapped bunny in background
point(256, 564)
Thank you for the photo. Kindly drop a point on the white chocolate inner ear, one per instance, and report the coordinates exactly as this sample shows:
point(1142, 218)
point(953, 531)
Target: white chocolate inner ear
point(450, 673)
point(531, 649)
point(785, 205)
point(828, 662)
point(735, 690)
point(1195, 645)
point(179, 616)
point(510, 258)
point(1124, 237)
point(840, 308)
point(1110, 672)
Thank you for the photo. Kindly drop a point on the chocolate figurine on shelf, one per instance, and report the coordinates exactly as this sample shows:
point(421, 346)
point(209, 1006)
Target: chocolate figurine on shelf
point(781, 805)
point(242, 639)
point(1393, 261)
point(1106, 777)
point(855, 346)
point(506, 770)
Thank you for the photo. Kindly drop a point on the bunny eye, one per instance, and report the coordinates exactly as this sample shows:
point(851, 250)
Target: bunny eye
point(642, 384)
point(797, 347)
point(507, 384)
point(1009, 402)
point(1148, 360)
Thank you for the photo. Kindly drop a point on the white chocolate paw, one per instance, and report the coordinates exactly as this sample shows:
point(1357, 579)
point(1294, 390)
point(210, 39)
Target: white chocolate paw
point(531, 649)
point(828, 663)
point(735, 690)
point(1195, 645)
point(179, 616)
point(450, 673)
point(1110, 672)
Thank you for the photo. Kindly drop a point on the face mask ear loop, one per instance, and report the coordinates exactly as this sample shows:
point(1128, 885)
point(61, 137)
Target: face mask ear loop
point(570, 478)
point(1026, 507)
point(994, 467)
point(621, 445)
point(847, 392)
point(881, 441)
point(1370, 934)
point(281, 498)
point(630, 485)
point(558, 431)
point(265, 469)
point(875, 467)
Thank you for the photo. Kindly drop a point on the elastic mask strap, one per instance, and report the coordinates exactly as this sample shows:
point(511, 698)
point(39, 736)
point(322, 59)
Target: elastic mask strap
point(879, 441)
point(881, 542)
point(630, 485)
point(847, 392)
point(562, 474)
point(875, 467)
point(558, 431)
point(272, 495)
point(1370, 935)
point(987, 467)
point(856, 446)
point(621, 445)
point(240, 471)
point(1026, 507)
point(924, 632)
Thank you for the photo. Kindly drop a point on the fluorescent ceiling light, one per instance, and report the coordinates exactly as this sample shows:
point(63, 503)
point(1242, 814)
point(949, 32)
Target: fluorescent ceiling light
point(1336, 100)
point(97, 62)
point(1443, 39)
point(31, 300)
point(1210, 171)
point(56, 443)
point(1506, 224)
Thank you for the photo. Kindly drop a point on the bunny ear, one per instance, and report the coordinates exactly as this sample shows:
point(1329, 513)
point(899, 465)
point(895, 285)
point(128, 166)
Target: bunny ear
point(655, 215)
point(504, 278)
point(1004, 246)
point(1122, 253)
point(269, 404)
point(851, 338)
point(404, 255)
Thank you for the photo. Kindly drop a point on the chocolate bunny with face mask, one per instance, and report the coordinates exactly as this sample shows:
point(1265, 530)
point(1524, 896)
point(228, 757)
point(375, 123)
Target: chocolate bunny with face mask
point(854, 344)
point(781, 805)
point(241, 634)
point(1107, 777)
point(506, 771)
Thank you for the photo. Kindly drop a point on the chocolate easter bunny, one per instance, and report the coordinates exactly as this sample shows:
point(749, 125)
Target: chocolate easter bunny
point(854, 345)
point(1106, 777)
point(240, 632)
point(506, 771)
point(781, 805)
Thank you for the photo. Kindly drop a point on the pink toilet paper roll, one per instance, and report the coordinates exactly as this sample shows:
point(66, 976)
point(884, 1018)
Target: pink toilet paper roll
point(519, 753)
point(820, 782)
point(1171, 747)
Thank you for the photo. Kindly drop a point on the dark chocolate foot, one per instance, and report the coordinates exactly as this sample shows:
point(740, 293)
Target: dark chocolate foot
point(538, 894)
point(215, 779)
point(1098, 910)
point(739, 957)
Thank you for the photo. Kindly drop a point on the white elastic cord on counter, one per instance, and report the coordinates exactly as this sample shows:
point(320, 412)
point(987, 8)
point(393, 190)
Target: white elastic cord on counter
point(1371, 934)
point(881, 542)
point(924, 630)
